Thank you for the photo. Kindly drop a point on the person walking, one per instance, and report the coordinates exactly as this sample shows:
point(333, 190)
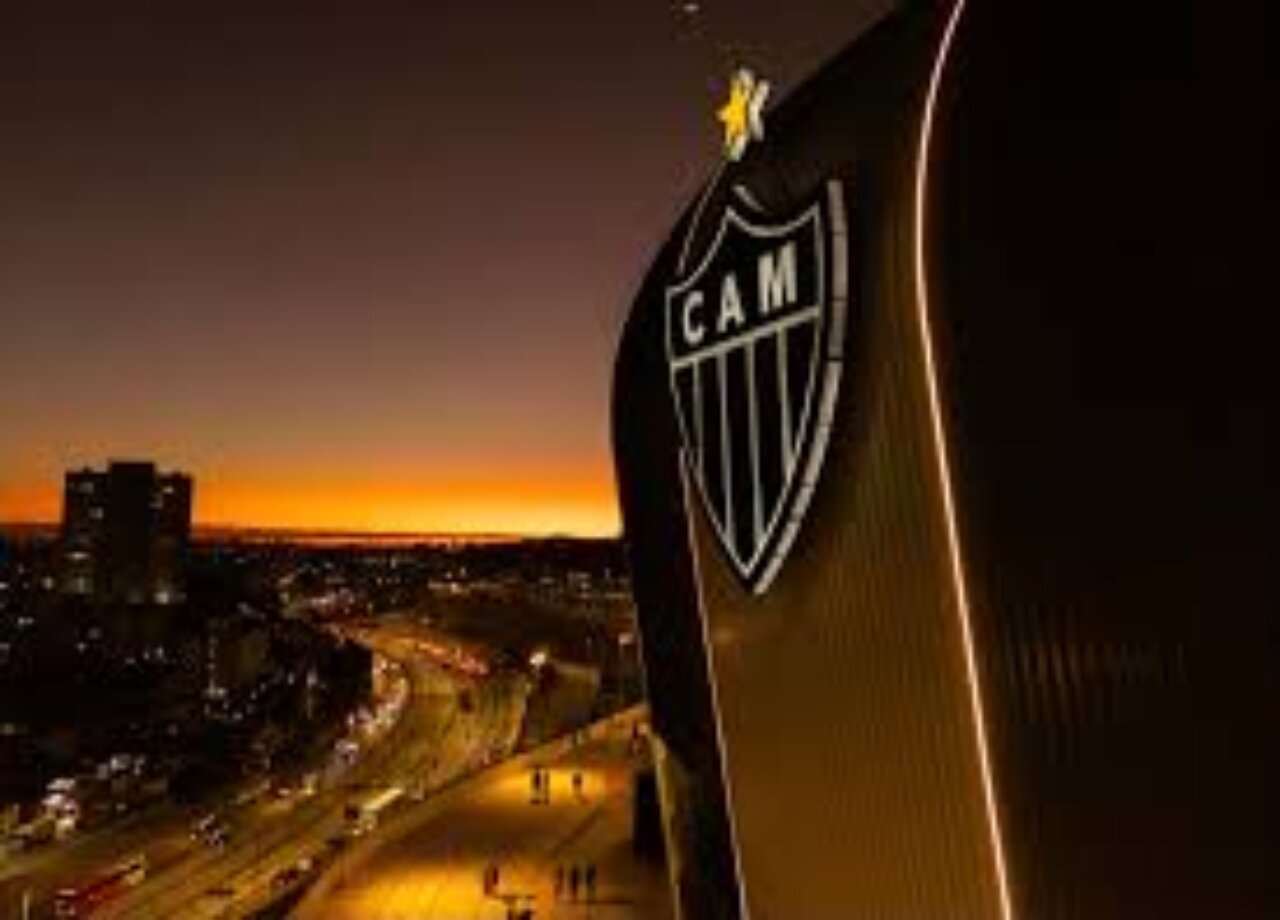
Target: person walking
point(575, 879)
point(577, 783)
point(590, 881)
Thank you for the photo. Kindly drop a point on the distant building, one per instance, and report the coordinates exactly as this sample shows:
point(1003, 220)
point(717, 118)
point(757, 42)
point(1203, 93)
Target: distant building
point(125, 534)
point(238, 657)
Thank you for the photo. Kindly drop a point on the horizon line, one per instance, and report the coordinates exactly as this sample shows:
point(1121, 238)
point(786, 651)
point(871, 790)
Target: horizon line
point(337, 532)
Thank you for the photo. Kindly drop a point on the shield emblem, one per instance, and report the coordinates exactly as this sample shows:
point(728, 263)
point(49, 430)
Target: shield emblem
point(755, 345)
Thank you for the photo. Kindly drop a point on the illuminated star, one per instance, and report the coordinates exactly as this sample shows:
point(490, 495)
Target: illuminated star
point(742, 116)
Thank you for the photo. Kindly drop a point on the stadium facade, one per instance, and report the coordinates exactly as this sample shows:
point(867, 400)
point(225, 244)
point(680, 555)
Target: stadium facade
point(945, 441)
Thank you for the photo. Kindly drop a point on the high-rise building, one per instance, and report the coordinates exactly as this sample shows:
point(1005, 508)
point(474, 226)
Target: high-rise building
point(125, 533)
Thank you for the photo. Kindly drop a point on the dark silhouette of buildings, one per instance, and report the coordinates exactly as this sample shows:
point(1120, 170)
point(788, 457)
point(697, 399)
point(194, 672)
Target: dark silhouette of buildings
point(125, 534)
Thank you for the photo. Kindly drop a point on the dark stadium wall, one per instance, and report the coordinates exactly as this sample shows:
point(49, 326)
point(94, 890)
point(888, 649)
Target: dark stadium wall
point(1023, 656)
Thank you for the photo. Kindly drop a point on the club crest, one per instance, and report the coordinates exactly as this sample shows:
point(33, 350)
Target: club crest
point(755, 342)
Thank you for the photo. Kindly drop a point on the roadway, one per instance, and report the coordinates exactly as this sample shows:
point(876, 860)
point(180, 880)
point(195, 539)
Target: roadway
point(431, 867)
point(433, 741)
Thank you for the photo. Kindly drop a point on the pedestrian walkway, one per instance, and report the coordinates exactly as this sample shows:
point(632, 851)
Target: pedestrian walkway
point(500, 847)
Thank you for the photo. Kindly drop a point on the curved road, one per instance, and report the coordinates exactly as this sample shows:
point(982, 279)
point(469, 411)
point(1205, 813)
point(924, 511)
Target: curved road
point(434, 741)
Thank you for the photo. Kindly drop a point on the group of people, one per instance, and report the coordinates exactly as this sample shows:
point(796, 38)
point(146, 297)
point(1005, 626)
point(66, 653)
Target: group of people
point(540, 781)
point(575, 881)
point(540, 785)
point(490, 879)
point(636, 742)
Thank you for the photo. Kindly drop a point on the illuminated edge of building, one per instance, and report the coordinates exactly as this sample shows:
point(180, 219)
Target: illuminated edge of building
point(944, 463)
point(714, 694)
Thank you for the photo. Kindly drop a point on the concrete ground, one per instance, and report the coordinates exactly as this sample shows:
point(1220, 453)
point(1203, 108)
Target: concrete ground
point(432, 865)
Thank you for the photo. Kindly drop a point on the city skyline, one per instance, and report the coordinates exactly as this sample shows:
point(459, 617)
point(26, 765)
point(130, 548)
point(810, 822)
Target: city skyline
point(659, 459)
point(359, 273)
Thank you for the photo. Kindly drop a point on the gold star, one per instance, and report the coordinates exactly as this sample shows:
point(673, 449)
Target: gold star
point(741, 115)
point(734, 113)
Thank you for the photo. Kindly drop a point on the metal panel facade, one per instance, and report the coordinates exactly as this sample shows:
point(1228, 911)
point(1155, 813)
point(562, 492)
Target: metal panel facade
point(1022, 655)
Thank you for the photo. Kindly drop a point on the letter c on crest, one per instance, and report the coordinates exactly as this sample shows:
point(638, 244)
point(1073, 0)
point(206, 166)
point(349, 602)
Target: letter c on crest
point(693, 332)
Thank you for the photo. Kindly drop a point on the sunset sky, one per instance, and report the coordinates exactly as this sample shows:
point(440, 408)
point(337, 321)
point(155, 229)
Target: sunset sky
point(357, 266)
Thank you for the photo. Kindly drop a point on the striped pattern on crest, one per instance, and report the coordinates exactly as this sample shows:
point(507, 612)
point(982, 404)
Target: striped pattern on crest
point(755, 336)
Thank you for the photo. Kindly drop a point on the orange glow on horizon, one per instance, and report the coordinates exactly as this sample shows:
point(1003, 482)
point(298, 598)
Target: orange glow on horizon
point(585, 506)
point(29, 503)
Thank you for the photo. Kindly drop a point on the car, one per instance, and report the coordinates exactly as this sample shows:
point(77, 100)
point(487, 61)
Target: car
point(212, 830)
point(201, 828)
point(290, 875)
point(286, 877)
point(217, 837)
point(251, 794)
